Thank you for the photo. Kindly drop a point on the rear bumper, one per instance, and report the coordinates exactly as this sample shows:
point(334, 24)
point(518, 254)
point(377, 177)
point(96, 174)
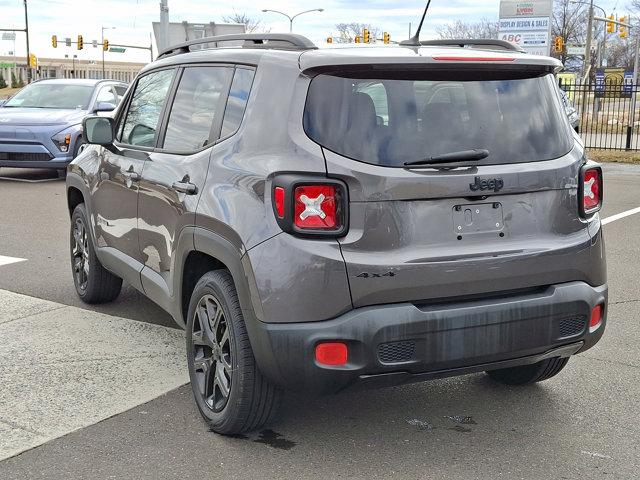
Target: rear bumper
point(401, 343)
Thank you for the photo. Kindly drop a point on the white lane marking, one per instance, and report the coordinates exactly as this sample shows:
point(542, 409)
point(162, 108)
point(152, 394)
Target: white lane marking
point(620, 216)
point(10, 260)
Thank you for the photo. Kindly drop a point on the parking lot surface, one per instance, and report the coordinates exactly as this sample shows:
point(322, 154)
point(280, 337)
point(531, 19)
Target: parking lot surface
point(581, 424)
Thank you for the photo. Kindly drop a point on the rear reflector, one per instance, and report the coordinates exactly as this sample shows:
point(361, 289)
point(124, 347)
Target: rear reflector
point(474, 59)
point(596, 318)
point(332, 354)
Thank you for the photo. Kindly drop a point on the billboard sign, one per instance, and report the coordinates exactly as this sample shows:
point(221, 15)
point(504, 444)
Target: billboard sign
point(180, 32)
point(527, 24)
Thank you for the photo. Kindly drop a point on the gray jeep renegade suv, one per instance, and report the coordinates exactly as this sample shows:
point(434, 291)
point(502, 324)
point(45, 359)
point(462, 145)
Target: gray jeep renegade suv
point(320, 219)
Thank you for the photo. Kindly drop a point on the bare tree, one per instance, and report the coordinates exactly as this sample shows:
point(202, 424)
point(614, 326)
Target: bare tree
point(485, 28)
point(621, 52)
point(251, 24)
point(347, 32)
point(569, 22)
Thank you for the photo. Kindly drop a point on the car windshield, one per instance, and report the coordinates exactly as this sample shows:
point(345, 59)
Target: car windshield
point(395, 118)
point(52, 95)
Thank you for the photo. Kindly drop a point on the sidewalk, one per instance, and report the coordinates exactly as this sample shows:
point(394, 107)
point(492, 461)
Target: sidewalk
point(64, 368)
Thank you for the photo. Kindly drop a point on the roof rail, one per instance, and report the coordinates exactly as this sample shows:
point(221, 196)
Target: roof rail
point(491, 44)
point(281, 41)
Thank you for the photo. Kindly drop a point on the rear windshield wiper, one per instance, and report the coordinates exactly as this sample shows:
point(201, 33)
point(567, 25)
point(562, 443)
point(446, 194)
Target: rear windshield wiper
point(463, 156)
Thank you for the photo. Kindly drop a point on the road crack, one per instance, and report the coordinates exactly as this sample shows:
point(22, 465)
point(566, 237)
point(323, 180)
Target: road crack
point(622, 302)
point(20, 427)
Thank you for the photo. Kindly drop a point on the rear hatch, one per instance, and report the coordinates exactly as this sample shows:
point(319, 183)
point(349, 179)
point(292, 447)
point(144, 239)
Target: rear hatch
point(502, 219)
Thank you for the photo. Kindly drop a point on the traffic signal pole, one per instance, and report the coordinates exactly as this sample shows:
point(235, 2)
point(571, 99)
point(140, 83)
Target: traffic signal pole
point(26, 29)
point(102, 42)
point(587, 54)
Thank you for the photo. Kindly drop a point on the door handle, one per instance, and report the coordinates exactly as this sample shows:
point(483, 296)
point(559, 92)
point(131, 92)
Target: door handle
point(131, 174)
point(185, 187)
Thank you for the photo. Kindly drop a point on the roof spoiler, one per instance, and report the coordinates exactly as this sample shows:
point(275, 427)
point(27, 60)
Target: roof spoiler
point(280, 41)
point(489, 44)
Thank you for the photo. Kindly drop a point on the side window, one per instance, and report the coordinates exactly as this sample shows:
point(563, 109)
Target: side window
point(141, 122)
point(378, 93)
point(237, 101)
point(197, 108)
point(107, 95)
point(120, 91)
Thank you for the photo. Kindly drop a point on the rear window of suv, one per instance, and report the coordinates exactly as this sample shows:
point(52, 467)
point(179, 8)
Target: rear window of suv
point(390, 121)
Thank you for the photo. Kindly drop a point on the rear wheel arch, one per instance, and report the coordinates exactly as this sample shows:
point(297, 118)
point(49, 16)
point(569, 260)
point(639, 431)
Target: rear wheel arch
point(209, 252)
point(196, 265)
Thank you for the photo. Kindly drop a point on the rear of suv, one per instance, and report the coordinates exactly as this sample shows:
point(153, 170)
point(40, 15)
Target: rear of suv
point(323, 219)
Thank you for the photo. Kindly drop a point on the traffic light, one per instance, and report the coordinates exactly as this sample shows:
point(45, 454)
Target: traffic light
point(54, 41)
point(611, 27)
point(386, 38)
point(33, 60)
point(105, 45)
point(358, 39)
point(558, 45)
point(366, 36)
point(80, 42)
point(623, 30)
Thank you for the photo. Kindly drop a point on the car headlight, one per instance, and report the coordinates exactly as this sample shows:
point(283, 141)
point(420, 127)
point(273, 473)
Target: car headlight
point(62, 139)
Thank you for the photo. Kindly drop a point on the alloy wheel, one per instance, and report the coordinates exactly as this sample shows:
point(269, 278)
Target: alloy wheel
point(212, 353)
point(80, 254)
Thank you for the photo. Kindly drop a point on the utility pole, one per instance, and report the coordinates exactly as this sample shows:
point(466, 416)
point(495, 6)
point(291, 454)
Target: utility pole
point(587, 57)
point(26, 29)
point(634, 92)
point(102, 48)
point(163, 42)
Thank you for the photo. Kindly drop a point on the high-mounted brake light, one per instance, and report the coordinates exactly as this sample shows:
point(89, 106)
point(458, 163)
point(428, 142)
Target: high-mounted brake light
point(590, 190)
point(473, 59)
point(310, 206)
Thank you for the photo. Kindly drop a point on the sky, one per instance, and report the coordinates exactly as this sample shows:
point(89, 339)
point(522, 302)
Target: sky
point(132, 19)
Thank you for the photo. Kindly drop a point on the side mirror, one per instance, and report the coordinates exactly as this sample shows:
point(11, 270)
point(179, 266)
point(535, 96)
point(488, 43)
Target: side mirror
point(104, 107)
point(99, 130)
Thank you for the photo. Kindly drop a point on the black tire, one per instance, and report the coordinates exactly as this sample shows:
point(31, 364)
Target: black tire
point(528, 374)
point(221, 361)
point(94, 283)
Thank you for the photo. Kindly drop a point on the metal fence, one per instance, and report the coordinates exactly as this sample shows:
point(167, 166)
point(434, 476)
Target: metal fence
point(608, 113)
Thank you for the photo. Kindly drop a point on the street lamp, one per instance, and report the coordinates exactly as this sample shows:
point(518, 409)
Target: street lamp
point(103, 29)
point(292, 18)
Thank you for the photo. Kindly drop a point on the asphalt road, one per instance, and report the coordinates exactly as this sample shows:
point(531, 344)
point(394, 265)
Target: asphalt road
point(34, 224)
point(582, 424)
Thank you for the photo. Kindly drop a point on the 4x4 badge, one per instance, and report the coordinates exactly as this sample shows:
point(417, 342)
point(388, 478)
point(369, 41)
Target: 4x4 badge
point(495, 184)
